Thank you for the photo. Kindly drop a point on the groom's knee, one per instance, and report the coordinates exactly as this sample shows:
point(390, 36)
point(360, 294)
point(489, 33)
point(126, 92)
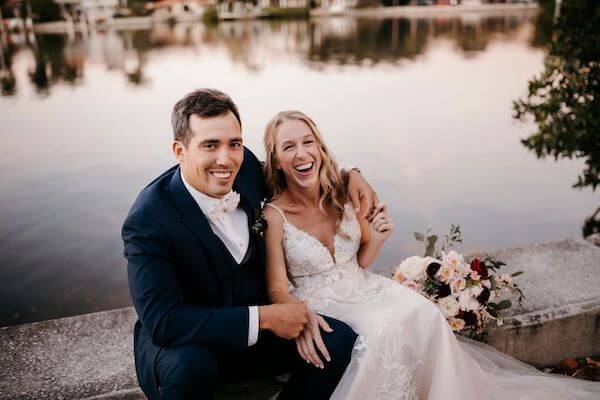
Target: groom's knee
point(186, 372)
point(340, 342)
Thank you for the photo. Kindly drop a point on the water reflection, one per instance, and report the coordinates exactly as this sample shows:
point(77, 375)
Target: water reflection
point(58, 59)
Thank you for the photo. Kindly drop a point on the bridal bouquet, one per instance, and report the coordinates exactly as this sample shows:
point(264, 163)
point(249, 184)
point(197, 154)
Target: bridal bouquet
point(471, 294)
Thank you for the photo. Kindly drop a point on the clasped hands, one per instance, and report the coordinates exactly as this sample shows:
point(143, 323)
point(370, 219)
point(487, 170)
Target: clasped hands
point(296, 321)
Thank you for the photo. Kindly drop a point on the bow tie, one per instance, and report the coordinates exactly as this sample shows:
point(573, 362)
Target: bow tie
point(228, 203)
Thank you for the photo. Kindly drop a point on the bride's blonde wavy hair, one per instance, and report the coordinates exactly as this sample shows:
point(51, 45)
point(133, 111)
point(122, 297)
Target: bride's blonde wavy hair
point(333, 192)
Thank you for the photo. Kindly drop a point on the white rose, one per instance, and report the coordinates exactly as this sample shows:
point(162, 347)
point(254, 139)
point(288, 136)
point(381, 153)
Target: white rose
point(457, 324)
point(457, 285)
point(467, 301)
point(453, 259)
point(464, 269)
point(413, 268)
point(486, 283)
point(445, 273)
point(476, 290)
point(449, 306)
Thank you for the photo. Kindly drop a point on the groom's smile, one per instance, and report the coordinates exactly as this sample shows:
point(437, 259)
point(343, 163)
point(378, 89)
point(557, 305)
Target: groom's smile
point(214, 154)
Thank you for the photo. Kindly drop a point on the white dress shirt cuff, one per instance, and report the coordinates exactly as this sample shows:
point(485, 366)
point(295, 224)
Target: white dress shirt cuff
point(252, 325)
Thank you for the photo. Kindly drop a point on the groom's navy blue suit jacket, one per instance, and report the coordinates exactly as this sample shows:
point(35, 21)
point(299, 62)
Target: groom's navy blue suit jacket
point(185, 286)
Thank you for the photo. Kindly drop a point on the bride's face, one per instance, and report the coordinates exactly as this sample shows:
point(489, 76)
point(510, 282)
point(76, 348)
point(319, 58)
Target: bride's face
point(297, 154)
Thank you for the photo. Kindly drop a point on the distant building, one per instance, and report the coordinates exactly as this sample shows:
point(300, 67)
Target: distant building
point(337, 6)
point(179, 10)
point(283, 3)
point(92, 11)
point(236, 9)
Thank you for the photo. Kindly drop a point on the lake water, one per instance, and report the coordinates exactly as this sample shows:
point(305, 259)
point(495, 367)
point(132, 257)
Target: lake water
point(423, 107)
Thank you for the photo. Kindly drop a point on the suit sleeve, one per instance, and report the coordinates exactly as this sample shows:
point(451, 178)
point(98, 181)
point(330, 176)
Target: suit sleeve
point(158, 298)
point(258, 172)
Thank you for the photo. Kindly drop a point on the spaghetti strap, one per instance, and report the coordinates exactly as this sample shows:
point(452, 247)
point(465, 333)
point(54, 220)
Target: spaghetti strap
point(278, 209)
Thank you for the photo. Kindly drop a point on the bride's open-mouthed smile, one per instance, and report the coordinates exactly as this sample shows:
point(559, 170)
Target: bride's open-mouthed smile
point(298, 155)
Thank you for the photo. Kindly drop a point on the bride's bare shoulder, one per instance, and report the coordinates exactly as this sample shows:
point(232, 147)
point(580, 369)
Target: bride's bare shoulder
point(274, 216)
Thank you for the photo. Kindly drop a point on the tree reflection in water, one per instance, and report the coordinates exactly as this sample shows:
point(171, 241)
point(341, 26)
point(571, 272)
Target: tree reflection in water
point(564, 100)
point(62, 60)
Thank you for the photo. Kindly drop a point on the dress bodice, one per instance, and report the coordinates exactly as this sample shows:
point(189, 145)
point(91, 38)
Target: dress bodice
point(306, 256)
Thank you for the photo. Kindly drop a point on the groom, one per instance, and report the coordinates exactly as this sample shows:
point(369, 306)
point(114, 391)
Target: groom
point(196, 270)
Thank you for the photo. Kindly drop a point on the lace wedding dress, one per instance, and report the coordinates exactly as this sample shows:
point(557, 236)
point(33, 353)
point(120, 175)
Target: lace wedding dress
point(406, 349)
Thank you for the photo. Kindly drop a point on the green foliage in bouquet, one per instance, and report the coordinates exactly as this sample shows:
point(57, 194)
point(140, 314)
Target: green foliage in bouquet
point(453, 237)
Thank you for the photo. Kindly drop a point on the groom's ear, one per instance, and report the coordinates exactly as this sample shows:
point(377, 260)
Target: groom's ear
point(178, 148)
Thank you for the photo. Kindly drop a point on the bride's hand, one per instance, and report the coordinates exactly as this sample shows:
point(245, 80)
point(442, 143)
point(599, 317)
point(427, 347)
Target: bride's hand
point(310, 340)
point(381, 225)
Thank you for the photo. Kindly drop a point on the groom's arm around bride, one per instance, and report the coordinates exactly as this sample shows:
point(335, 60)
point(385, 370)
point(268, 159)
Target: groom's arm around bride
point(197, 278)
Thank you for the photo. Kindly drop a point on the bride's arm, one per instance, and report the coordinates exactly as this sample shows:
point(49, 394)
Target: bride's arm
point(373, 235)
point(277, 281)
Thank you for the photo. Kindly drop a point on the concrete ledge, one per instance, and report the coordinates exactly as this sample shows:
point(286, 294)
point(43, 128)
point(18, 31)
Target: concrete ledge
point(91, 357)
point(560, 316)
point(87, 357)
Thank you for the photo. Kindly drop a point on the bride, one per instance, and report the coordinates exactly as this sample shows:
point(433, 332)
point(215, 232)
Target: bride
point(317, 252)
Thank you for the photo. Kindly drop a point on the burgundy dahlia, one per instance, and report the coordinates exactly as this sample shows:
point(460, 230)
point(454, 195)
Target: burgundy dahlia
point(484, 295)
point(432, 269)
point(469, 317)
point(443, 291)
point(480, 268)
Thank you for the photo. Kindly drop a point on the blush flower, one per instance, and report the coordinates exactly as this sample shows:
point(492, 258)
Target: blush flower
point(409, 283)
point(449, 306)
point(457, 324)
point(399, 277)
point(457, 285)
point(445, 273)
point(452, 259)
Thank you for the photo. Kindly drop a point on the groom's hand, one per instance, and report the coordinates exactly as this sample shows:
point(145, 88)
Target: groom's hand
point(286, 320)
point(361, 194)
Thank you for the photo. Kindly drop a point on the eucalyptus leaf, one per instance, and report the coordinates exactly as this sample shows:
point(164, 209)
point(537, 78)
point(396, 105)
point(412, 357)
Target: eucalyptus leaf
point(430, 250)
point(504, 304)
point(419, 237)
point(493, 312)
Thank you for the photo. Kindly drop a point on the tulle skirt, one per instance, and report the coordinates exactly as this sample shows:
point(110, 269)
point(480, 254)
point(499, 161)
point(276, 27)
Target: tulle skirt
point(407, 350)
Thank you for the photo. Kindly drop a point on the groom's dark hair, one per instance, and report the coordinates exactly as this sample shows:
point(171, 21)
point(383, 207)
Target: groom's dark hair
point(205, 103)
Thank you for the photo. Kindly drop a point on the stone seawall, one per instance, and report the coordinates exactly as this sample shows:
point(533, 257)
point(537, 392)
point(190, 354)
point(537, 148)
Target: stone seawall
point(91, 357)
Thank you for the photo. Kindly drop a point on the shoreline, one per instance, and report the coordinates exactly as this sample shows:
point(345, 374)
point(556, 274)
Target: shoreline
point(484, 10)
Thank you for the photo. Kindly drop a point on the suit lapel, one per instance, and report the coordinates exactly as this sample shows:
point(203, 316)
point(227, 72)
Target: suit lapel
point(194, 218)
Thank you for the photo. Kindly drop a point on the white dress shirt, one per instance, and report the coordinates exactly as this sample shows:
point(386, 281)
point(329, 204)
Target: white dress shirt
point(232, 229)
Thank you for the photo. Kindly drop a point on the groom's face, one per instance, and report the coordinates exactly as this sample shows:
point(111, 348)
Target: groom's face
point(214, 154)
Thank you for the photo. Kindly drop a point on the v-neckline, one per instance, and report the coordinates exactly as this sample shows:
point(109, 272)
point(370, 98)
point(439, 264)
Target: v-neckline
point(332, 255)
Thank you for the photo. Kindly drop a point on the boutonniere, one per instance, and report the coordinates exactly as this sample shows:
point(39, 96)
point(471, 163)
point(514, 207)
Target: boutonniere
point(260, 223)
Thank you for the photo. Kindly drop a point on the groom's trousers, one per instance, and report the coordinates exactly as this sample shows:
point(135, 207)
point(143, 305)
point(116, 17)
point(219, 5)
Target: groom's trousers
point(193, 371)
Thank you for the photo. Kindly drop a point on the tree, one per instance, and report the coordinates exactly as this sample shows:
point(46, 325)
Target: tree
point(564, 100)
